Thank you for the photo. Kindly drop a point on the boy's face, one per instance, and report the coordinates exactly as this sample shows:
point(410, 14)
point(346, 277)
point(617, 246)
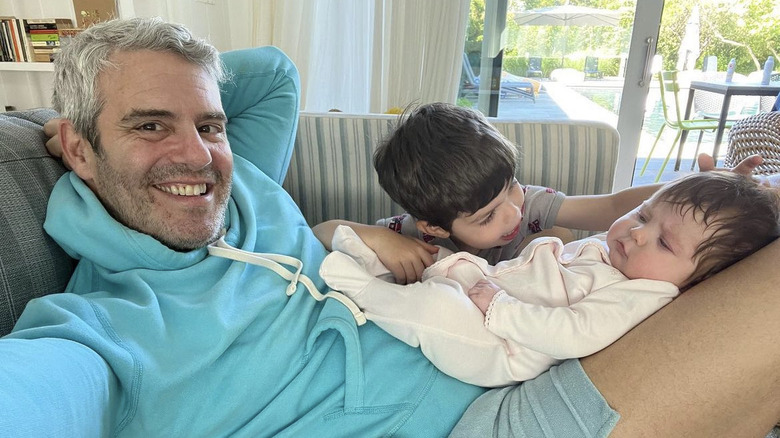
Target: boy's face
point(495, 224)
point(654, 241)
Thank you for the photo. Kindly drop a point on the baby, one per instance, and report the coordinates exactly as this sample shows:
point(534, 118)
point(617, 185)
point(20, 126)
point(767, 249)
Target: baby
point(498, 325)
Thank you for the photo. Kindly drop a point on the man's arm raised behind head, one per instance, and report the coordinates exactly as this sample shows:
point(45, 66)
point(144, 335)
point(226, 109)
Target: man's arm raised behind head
point(261, 101)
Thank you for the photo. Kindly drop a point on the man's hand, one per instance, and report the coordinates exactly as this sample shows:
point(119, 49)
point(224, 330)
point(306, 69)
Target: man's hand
point(482, 294)
point(54, 144)
point(745, 167)
point(406, 257)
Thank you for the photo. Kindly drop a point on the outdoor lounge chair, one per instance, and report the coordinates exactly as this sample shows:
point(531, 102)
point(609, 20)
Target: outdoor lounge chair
point(534, 67)
point(592, 68)
point(511, 85)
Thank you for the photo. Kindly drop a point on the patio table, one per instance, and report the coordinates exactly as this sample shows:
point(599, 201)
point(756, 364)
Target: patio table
point(727, 89)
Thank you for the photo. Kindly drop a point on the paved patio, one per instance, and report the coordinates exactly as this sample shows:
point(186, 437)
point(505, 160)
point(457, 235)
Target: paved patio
point(561, 101)
point(556, 101)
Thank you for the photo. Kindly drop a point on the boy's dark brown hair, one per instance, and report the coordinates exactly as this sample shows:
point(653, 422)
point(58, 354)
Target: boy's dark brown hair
point(443, 160)
point(743, 215)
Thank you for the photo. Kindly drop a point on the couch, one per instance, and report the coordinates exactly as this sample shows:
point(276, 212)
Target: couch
point(330, 176)
point(31, 264)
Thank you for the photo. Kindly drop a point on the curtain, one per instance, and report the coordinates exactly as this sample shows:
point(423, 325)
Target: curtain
point(362, 56)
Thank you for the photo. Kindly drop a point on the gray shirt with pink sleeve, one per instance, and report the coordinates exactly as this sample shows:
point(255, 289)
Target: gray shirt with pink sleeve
point(539, 213)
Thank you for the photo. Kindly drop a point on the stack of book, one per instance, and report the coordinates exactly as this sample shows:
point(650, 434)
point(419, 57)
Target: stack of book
point(45, 36)
point(32, 40)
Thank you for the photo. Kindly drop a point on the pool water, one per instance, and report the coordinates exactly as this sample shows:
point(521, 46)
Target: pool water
point(609, 98)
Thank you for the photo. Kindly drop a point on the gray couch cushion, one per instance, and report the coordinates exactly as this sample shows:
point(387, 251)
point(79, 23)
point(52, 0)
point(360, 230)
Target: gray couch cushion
point(31, 264)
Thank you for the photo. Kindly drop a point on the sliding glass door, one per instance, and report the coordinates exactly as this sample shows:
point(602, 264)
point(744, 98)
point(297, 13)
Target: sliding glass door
point(550, 59)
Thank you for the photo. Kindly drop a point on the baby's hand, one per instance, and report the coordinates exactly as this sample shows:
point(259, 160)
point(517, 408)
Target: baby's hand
point(482, 294)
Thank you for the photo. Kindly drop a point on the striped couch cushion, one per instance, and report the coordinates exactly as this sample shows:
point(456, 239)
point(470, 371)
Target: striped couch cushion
point(331, 174)
point(575, 157)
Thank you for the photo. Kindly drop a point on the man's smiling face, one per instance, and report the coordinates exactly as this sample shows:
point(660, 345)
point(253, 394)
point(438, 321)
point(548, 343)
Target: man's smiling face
point(163, 165)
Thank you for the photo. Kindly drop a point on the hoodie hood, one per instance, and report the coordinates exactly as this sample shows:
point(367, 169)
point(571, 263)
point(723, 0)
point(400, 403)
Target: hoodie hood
point(80, 224)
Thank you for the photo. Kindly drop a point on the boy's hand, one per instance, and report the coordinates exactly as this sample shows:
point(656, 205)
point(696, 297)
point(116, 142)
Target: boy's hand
point(482, 294)
point(745, 167)
point(406, 257)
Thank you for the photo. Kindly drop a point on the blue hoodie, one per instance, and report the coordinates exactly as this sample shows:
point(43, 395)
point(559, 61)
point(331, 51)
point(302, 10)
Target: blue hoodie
point(148, 341)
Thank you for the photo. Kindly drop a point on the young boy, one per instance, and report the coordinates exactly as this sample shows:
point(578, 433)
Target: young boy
point(454, 174)
point(556, 302)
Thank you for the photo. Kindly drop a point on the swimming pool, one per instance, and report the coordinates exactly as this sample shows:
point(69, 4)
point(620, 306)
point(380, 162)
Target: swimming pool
point(609, 98)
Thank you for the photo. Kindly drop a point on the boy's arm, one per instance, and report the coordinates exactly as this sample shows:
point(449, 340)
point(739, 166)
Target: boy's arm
point(597, 212)
point(405, 257)
point(325, 230)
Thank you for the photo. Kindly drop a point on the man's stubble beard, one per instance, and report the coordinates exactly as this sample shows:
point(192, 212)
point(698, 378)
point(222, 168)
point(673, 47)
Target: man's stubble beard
point(136, 208)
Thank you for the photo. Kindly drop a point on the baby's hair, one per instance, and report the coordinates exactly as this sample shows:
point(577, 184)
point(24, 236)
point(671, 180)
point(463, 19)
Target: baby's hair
point(443, 160)
point(742, 214)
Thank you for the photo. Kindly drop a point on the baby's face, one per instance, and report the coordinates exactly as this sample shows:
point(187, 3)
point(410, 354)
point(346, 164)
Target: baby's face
point(655, 241)
point(495, 224)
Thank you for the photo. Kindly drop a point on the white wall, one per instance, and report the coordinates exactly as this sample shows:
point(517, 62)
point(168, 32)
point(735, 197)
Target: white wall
point(205, 18)
point(37, 8)
point(225, 23)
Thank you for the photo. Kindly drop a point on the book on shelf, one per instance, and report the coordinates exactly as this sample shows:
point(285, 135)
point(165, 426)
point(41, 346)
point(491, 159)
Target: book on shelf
point(33, 39)
point(45, 37)
point(24, 40)
point(4, 57)
point(48, 23)
point(45, 43)
point(16, 40)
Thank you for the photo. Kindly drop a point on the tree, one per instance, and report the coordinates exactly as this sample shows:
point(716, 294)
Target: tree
point(747, 30)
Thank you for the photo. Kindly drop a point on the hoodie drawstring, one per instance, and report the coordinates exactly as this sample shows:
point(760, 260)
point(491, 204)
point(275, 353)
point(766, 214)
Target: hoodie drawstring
point(274, 262)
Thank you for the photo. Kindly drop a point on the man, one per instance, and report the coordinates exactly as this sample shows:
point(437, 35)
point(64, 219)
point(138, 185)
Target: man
point(158, 338)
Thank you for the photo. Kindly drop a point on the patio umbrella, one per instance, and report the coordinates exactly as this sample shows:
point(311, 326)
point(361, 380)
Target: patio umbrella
point(689, 45)
point(568, 15)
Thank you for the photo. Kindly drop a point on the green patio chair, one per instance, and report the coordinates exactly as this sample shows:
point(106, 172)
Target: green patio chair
point(668, 84)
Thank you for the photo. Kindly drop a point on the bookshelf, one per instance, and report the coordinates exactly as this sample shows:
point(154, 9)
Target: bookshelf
point(25, 85)
point(26, 66)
